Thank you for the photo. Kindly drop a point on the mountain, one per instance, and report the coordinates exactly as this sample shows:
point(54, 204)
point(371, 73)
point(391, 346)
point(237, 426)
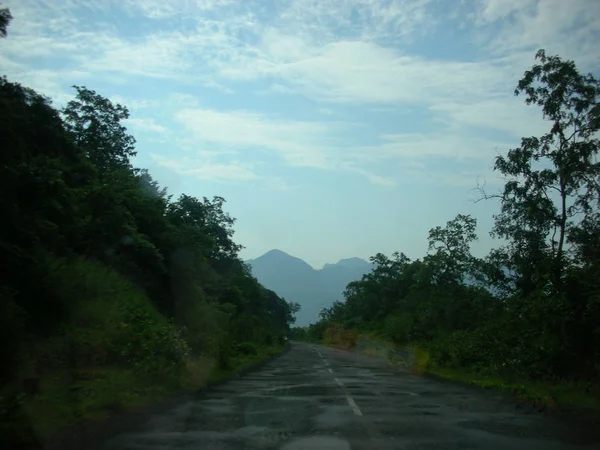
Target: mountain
point(297, 281)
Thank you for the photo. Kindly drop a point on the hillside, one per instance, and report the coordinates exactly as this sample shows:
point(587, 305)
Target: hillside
point(135, 295)
point(296, 281)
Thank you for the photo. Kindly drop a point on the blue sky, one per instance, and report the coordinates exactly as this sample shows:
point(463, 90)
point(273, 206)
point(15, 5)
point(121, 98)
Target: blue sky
point(333, 128)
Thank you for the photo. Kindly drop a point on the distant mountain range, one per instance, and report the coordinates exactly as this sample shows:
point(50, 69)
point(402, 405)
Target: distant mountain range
point(297, 281)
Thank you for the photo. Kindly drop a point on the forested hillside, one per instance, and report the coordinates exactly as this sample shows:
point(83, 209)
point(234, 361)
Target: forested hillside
point(112, 293)
point(531, 310)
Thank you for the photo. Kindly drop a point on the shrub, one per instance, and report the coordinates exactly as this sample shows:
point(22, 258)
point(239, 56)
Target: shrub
point(246, 348)
point(111, 322)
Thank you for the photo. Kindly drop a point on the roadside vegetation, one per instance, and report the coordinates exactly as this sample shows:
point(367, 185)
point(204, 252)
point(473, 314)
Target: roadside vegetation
point(526, 318)
point(113, 294)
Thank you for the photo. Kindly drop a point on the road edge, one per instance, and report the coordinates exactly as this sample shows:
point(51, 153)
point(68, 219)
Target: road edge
point(586, 420)
point(93, 436)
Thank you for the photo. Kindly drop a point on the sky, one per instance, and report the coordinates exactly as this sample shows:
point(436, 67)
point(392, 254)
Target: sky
point(333, 128)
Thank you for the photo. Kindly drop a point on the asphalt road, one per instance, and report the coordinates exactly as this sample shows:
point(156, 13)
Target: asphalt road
point(315, 397)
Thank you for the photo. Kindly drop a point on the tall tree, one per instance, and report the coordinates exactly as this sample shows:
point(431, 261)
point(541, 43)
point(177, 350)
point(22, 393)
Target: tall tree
point(96, 125)
point(553, 180)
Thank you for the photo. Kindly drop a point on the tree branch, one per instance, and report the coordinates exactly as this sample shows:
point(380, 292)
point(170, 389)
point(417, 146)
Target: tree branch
point(484, 195)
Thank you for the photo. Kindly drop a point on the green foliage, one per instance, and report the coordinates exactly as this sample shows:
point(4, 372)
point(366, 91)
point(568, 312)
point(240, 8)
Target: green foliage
point(246, 348)
point(100, 270)
point(13, 322)
point(114, 325)
point(94, 123)
point(398, 327)
point(5, 18)
point(530, 309)
point(552, 180)
point(85, 200)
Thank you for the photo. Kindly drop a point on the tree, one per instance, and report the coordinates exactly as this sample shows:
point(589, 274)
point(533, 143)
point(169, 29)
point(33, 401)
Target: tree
point(99, 268)
point(215, 227)
point(42, 177)
point(5, 18)
point(293, 309)
point(452, 258)
point(95, 124)
point(553, 180)
point(531, 308)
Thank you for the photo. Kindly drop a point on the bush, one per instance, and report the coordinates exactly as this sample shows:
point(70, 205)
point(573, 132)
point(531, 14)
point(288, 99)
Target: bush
point(337, 335)
point(110, 322)
point(13, 320)
point(224, 354)
point(245, 348)
point(398, 327)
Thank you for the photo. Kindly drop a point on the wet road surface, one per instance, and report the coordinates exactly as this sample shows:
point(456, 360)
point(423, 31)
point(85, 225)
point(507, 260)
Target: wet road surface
point(315, 397)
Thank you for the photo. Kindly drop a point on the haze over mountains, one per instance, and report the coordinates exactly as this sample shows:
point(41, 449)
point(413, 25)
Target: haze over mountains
point(297, 281)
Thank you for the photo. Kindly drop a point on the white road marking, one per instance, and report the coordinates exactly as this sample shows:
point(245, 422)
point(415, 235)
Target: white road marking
point(349, 399)
point(353, 405)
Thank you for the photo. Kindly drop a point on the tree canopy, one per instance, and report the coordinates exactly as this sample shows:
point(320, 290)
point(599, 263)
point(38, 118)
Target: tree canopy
point(531, 307)
point(76, 210)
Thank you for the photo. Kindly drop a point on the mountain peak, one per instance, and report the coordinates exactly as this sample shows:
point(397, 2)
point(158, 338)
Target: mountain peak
point(276, 252)
point(350, 263)
point(277, 257)
point(295, 280)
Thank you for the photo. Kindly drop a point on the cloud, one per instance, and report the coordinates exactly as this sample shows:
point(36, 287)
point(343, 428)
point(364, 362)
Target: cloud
point(204, 166)
point(366, 20)
point(489, 11)
point(147, 124)
point(298, 143)
point(161, 55)
point(507, 114)
point(160, 9)
point(277, 88)
point(178, 100)
point(207, 170)
point(135, 104)
point(359, 54)
point(372, 177)
point(419, 146)
point(277, 184)
point(566, 28)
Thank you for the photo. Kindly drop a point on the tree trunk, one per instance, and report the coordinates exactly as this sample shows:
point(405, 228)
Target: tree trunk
point(561, 237)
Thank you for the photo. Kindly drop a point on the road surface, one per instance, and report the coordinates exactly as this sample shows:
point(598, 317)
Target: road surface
point(315, 397)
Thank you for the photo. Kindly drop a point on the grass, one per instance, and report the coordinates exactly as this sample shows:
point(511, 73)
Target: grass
point(240, 364)
point(103, 392)
point(565, 397)
point(568, 397)
point(97, 394)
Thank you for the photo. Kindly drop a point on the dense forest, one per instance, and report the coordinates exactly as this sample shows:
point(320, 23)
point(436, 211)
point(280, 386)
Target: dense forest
point(530, 310)
point(112, 292)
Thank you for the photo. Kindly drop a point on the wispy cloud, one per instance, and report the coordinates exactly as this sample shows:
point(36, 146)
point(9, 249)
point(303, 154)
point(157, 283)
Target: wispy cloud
point(159, 9)
point(205, 166)
point(233, 171)
point(417, 146)
point(204, 58)
point(146, 124)
point(372, 177)
point(570, 29)
point(298, 143)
